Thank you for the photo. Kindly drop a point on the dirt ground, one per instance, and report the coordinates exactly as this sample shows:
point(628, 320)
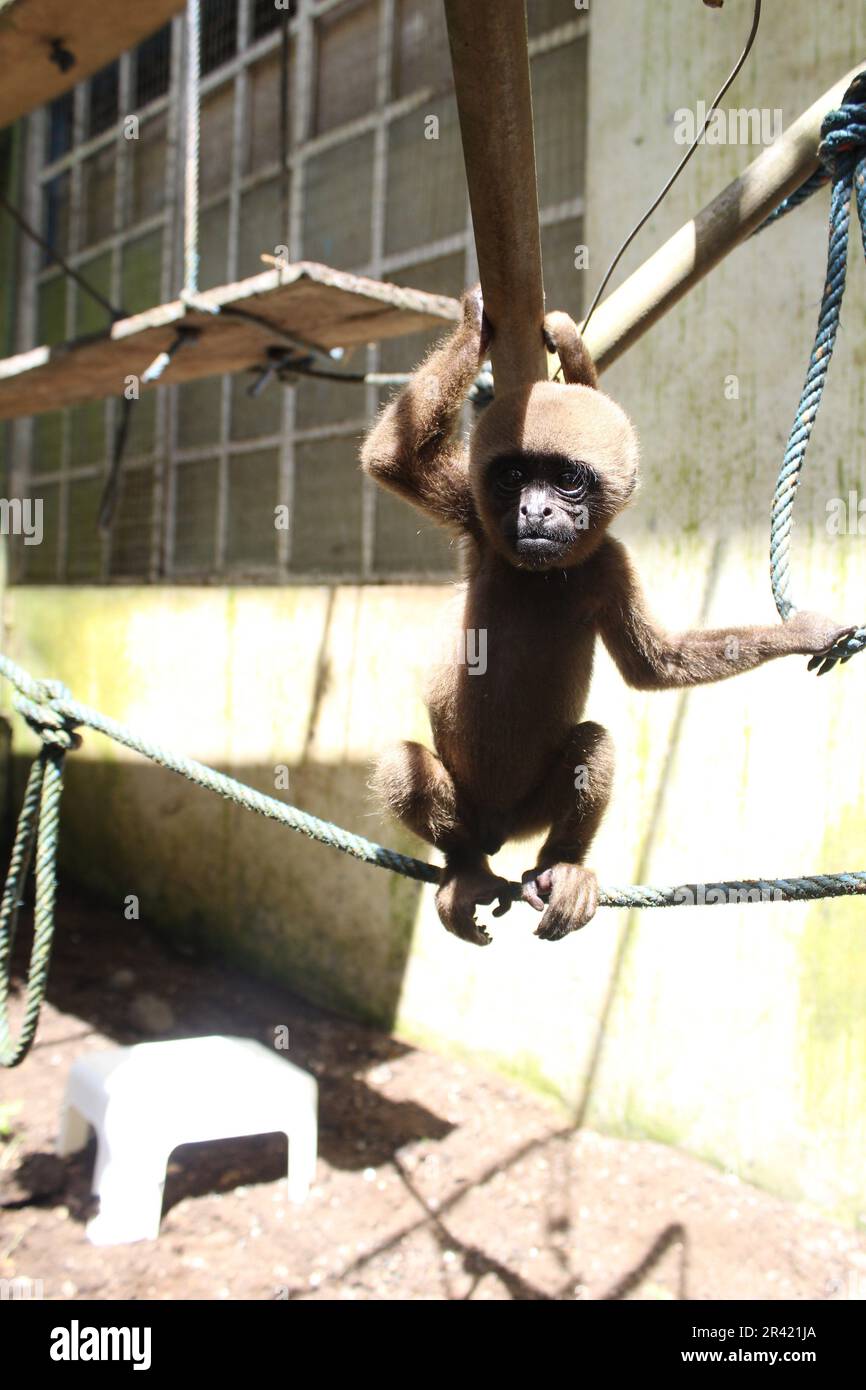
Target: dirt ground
point(435, 1180)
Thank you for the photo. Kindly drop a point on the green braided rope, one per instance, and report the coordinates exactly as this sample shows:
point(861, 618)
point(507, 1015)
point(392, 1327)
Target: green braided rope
point(50, 710)
point(52, 713)
point(37, 825)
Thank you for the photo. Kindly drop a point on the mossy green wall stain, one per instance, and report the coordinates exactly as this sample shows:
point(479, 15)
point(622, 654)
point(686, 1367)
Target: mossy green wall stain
point(832, 1022)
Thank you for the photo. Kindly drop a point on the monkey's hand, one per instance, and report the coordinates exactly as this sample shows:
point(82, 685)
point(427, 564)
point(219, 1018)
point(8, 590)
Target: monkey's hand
point(475, 319)
point(562, 336)
point(559, 330)
point(812, 634)
point(571, 894)
point(460, 892)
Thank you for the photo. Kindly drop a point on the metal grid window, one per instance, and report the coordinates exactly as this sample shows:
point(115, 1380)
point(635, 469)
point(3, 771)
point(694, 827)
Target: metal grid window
point(366, 189)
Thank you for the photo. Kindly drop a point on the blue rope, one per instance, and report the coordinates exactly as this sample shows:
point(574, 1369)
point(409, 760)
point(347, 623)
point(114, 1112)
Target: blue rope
point(843, 154)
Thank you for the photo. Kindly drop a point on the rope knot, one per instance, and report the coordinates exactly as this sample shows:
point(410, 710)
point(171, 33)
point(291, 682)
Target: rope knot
point(843, 131)
point(50, 723)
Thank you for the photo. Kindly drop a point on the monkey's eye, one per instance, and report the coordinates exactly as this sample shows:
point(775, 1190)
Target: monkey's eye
point(510, 479)
point(575, 478)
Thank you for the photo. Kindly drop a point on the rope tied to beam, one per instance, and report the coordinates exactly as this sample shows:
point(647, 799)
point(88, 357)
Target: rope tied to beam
point(55, 716)
point(843, 155)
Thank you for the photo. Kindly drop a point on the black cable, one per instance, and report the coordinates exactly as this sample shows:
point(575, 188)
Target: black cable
point(111, 490)
point(64, 264)
point(284, 122)
point(756, 18)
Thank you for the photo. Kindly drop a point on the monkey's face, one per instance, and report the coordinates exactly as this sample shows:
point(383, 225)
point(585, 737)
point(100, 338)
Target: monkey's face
point(540, 507)
point(551, 466)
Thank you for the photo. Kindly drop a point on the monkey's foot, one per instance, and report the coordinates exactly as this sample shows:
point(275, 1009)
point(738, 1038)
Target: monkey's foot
point(566, 894)
point(461, 891)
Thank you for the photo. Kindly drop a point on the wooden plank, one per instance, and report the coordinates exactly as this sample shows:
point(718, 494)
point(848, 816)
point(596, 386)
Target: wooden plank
point(490, 59)
point(325, 307)
point(92, 31)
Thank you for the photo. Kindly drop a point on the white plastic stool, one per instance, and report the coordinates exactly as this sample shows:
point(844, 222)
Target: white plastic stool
point(143, 1101)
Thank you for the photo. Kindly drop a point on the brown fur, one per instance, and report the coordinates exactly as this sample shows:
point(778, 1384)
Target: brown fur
point(512, 757)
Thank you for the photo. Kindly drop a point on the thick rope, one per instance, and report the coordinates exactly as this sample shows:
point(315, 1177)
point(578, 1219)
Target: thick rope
point(843, 154)
point(52, 713)
point(37, 828)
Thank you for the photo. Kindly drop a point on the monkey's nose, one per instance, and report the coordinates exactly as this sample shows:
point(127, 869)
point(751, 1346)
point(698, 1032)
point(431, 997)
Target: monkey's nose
point(535, 513)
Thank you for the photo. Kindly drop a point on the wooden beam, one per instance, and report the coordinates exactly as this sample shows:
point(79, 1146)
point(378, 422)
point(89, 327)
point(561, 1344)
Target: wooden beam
point(490, 59)
point(92, 32)
point(311, 303)
point(699, 246)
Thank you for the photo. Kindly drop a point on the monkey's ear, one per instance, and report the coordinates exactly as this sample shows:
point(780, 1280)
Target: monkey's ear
point(562, 337)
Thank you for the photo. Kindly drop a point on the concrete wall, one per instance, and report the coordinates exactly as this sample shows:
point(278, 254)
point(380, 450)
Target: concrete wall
point(738, 1033)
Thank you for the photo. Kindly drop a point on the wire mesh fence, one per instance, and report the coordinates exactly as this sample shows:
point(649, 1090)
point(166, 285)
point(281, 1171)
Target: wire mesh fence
point(335, 137)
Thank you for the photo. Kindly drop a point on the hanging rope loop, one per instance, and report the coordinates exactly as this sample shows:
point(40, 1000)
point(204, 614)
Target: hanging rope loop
point(843, 154)
point(37, 832)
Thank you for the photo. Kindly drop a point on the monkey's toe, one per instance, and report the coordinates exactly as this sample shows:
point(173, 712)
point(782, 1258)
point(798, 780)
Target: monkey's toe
point(458, 897)
point(468, 929)
point(573, 902)
point(537, 887)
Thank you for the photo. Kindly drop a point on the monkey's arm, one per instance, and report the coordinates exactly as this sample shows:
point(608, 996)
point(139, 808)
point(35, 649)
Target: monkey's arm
point(411, 448)
point(649, 658)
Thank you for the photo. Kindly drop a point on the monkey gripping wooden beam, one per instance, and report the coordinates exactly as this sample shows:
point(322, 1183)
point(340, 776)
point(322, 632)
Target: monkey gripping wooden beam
point(699, 245)
point(490, 59)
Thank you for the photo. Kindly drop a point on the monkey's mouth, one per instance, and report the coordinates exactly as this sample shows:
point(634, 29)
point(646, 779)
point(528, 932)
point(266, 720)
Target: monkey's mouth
point(537, 551)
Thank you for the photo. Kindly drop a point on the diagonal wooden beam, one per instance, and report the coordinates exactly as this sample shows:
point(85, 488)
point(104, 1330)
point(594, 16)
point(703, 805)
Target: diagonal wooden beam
point(490, 59)
point(692, 252)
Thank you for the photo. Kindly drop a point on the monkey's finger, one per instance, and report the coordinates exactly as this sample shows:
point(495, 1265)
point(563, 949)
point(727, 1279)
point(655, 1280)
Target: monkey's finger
point(825, 661)
point(554, 925)
point(562, 918)
point(590, 902)
point(486, 331)
point(493, 888)
point(529, 893)
point(827, 657)
point(504, 906)
point(473, 308)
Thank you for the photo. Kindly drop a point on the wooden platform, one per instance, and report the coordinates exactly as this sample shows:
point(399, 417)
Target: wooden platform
point(329, 308)
point(93, 31)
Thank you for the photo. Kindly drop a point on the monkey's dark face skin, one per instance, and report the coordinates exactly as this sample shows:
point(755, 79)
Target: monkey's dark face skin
point(544, 508)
